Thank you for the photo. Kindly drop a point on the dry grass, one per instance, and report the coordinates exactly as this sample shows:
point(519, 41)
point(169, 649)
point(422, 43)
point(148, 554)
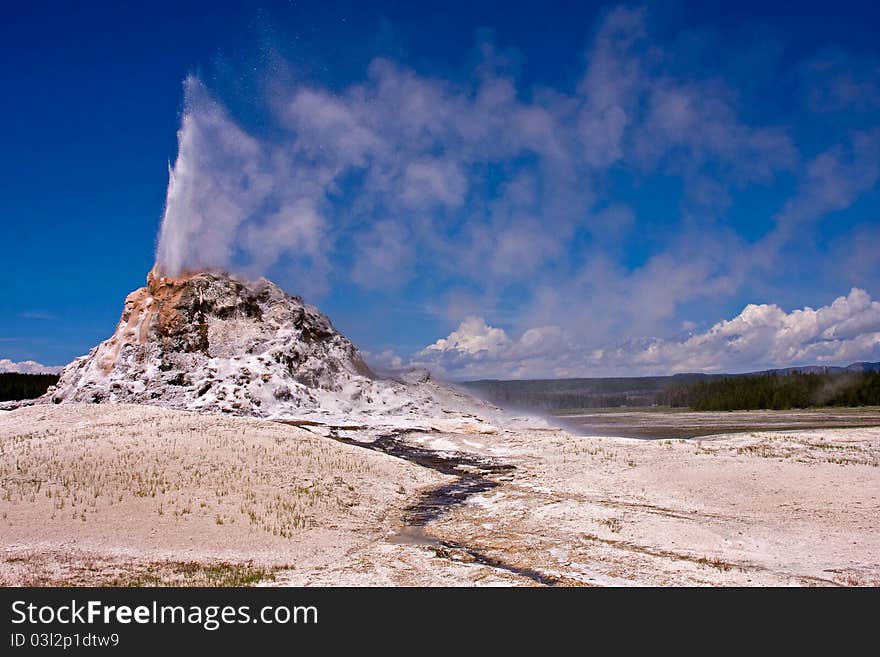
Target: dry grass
point(32, 568)
point(175, 487)
point(802, 448)
point(176, 469)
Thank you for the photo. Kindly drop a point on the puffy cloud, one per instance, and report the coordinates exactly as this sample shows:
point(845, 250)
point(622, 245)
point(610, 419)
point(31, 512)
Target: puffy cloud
point(762, 335)
point(765, 335)
point(477, 349)
point(472, 338)
point(28, 367)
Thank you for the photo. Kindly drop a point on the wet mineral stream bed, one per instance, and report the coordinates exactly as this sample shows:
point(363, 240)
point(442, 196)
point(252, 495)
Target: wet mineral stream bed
point(474, 475)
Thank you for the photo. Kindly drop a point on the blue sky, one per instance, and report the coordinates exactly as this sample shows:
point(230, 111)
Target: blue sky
point(485, 189)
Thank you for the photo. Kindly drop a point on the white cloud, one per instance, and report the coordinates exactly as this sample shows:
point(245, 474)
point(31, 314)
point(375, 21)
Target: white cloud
point(762, 335)
point(28, 367)
point(765, 335)
point(472, 338)
point(476, 349)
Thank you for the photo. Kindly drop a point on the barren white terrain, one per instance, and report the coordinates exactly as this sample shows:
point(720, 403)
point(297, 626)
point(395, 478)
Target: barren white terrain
point(227, 434)
point(97, 494)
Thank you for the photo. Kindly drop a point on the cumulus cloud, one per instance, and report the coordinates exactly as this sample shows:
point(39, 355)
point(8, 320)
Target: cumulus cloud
point(765, 335)
point(477, 349)
point(28, 367)
point(474, 337)
point(762, 335)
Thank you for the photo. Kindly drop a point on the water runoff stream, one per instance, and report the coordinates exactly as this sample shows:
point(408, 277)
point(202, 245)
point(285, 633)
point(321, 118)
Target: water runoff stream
point(474, 474)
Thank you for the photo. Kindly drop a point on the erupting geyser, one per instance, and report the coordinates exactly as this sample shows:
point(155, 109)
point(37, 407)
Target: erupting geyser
point(208, 341)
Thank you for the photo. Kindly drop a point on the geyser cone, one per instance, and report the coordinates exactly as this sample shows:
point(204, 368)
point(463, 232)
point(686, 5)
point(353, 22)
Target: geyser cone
point(207, 340)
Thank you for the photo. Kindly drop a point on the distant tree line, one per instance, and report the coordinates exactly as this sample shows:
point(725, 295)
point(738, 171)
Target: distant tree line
point(780, 391)
point(572, 394)
point(15, 386)
point(700, 392)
